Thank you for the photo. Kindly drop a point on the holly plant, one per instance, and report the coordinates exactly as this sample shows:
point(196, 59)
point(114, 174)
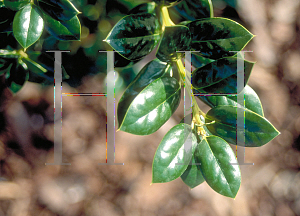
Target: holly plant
point(26, 20)
point(155, 93)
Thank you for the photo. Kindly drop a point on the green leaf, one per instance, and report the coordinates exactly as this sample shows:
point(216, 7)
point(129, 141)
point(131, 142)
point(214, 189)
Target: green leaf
point(200, 61)
point(16, 4)
point(17, 76)
point(167, 3)
point(169, 161)
point(175, 38)
point(135, 36)
point(217, 37)
point(220, 76)
point(192, 176)
point(61, 10)
point(150, 100)
point(251, 100)
point(63, 30)
point(143, 8)
point(258, 130)
point(216, 160)
point(194, 9)
point(28, 25)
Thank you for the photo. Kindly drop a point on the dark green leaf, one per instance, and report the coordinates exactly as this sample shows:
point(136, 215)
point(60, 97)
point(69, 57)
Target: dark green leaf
point(217, 37)
point(16, 4)
point(28, 25)
point(216, 160)
point(170, 158)
point(135, 36)
point(258, 130)
point(251, 99)
point(167, 3)
point(61, 10)
point(192, 176)
point(17, 76)
point(194, 9)
point(150, 100)
point(175, 38)
point(200, 61)
point(143, 8)
point(220, 76)
point(68, 30)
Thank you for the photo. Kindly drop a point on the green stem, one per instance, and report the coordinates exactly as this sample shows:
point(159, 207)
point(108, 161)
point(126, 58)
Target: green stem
point(195, 108)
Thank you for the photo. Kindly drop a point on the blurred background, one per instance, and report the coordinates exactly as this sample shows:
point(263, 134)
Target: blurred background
point(27, 187)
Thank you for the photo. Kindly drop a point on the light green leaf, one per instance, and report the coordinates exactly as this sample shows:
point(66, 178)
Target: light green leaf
point(217, 161)
point(28, 25)
point(257, 130)
point(150, 100)
point(251, 100)
point(169, 161)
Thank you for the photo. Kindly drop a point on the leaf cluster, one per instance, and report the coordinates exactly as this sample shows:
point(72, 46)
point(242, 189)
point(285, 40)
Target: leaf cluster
point(26, 20)
point(197, 151)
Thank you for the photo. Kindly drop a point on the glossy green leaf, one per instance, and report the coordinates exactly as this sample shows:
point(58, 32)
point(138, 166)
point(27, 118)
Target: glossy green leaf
point(135, 36)
point(218, 37)
point(217, 161)
point(175, 38)
point(194, 9)
point(258, 130)
point(200, 61)
point(61, 10)
point(17, 76)
point(150, 100)
point(143, 8)
point(16, 4)
point(173, 152)
point(192, 176)
point(63, 30)
point(28, 25)
point(220, 76)
point(167, 3)
point(251, 100)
